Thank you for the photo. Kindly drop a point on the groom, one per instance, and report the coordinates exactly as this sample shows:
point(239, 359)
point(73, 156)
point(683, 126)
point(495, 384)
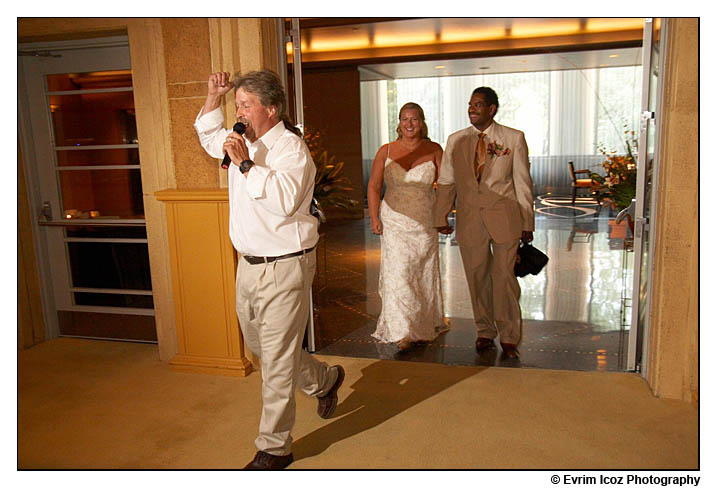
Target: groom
point(485, 169)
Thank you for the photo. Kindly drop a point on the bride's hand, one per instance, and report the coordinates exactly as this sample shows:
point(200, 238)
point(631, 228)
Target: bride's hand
point(376, 226)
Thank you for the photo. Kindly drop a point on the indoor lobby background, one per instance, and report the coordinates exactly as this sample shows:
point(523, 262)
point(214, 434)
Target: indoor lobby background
point(578, 311)
point(191, 264)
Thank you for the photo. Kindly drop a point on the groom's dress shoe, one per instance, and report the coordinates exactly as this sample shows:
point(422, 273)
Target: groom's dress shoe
point(483, 343)
point(510, 350)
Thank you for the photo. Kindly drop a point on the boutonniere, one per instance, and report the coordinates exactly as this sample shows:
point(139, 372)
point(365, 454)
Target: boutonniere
point(497, 149)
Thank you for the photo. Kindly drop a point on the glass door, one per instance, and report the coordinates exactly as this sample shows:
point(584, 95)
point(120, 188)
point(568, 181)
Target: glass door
point(654, 35)
point(81, 155)
point(291, 73)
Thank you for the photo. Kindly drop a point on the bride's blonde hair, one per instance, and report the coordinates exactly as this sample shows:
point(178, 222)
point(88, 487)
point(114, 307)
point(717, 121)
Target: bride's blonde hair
point(424, 131)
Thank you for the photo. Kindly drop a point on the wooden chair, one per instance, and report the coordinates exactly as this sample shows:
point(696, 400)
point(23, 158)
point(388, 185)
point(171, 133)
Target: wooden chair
point(584, 184)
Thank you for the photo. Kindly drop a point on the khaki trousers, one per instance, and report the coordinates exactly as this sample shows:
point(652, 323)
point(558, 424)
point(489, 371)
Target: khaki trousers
point(273, 310)
point(494, 289)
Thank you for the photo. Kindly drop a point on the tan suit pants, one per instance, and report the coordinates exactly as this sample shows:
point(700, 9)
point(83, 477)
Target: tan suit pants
point(494, 289)
point(273, 310)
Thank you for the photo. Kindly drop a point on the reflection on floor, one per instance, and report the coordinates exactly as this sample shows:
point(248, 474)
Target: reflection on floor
point(575, 311)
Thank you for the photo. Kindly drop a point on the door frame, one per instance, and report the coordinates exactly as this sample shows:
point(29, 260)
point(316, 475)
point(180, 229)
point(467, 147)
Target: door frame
point(295, 36)
point(637, 358)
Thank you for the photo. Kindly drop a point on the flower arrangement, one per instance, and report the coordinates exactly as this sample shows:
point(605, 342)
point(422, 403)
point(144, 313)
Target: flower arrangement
point(330, 188)
point(497, 149)
point(618, 186)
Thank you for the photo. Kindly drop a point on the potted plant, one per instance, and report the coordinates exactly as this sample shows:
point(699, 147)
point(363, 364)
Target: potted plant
point(618, 185)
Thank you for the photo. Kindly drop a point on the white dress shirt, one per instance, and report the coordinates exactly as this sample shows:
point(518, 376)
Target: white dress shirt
point(269, 208)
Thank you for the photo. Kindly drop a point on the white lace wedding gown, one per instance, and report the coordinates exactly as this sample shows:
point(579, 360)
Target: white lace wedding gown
point(409, 280)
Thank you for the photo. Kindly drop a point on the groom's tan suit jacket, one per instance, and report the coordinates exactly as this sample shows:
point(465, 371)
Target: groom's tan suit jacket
point(503, 199)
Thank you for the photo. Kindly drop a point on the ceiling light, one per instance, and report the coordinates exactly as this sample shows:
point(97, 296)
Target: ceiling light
point(614, 24)
point(464, 33)
point(613, 56)
point(336, 44)
point(390, 39)
point(439, 67)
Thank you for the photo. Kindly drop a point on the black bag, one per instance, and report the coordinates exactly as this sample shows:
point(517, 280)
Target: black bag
point(529, 260)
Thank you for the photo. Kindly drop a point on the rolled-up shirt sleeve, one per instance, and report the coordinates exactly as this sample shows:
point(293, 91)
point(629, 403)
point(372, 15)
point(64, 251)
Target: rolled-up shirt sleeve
point(284, 188)
point(211, 131)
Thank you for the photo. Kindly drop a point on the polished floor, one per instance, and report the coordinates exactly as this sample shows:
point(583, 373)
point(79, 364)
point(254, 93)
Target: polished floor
point(575, 312)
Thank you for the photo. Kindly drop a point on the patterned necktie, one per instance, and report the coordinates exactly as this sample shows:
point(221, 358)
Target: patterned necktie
point(480, 156)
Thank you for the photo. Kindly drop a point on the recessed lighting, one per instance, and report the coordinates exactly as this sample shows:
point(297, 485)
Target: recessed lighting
point(439, 67)
point(484, 67)
point(613, 56)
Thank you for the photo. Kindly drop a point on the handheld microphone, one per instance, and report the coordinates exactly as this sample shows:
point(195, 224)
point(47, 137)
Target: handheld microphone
point(239, 128)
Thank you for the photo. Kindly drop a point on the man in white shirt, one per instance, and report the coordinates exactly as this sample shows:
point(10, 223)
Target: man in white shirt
point(271, 183)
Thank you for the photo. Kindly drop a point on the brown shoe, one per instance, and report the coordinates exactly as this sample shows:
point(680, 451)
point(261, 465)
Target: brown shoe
point(510, 350)
point(483, 343)
point(328, 402)
point(267, 461)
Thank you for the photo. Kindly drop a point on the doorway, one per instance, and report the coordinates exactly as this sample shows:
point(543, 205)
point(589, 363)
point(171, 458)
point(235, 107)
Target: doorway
point(81, 159)
point(601, 279)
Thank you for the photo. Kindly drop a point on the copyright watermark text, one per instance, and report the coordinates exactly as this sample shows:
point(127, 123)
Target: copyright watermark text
point(626, 480)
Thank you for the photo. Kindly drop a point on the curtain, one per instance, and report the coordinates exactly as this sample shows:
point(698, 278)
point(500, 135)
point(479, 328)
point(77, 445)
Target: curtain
point(566, 114)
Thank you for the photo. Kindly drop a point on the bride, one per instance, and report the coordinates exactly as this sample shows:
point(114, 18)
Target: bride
point(409, 281)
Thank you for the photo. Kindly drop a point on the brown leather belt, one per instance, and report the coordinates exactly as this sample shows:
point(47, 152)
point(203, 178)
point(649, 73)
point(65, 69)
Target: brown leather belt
point(256, 260)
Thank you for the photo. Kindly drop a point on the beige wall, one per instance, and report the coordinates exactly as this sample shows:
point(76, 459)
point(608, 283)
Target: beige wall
point(672, 369)
point(187, 59)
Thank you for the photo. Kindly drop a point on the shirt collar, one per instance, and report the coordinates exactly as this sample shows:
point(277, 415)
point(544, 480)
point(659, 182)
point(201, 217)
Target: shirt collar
point(270, 137)
point(489, 131)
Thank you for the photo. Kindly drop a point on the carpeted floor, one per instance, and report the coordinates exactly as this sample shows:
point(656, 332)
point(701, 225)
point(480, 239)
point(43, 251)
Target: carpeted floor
point(86, 404)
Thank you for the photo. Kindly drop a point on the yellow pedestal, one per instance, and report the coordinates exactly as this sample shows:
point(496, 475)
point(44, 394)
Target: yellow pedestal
point(203, 264)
